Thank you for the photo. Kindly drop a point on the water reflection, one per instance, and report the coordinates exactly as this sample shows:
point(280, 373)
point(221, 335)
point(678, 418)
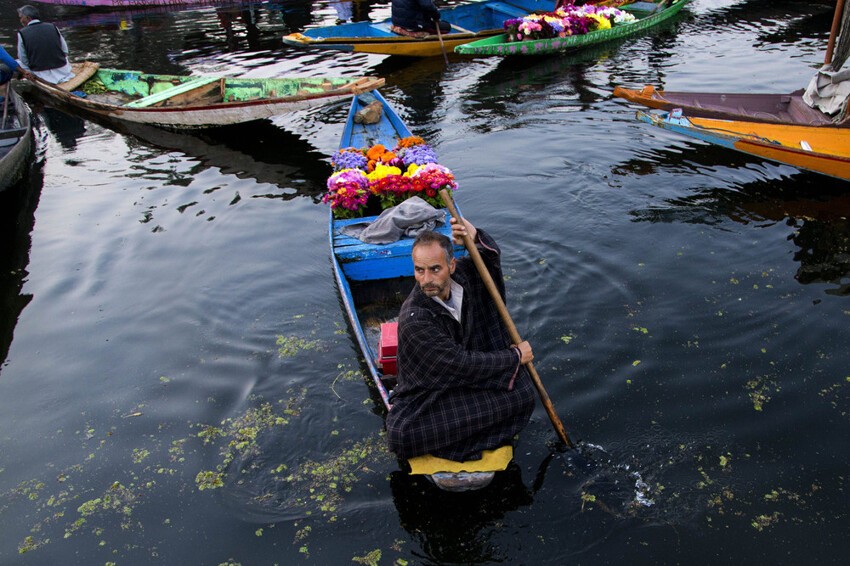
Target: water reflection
point(17, 217)
point(815, 207)
point(453, 527)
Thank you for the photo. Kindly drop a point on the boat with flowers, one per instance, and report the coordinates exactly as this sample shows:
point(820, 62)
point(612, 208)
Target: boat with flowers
point(192, 102)
point(381, 164)
point(469, 22)
point(572, 27)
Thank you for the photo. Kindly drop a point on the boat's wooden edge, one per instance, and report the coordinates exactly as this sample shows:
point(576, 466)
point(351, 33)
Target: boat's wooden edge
point(82, 72)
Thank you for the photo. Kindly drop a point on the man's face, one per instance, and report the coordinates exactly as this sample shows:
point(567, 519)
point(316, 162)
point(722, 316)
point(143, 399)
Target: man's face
point(432, 271)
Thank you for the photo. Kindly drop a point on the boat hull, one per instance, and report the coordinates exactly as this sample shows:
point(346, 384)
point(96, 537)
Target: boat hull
point(499, 46)
point(820, 150)
point(181, 102)
point(16, 140)
point(752, 107)
point(469, 22)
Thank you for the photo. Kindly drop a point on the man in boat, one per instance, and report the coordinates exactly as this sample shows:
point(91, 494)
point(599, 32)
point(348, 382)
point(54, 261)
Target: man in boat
point(42, 50)
point(417, 18)
point(8, 69)
point(462, 387)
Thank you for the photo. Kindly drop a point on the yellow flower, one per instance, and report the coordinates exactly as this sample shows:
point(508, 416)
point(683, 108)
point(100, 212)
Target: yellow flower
point(382, 171)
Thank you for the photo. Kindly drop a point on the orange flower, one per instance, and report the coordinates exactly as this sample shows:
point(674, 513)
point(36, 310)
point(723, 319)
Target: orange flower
point(388, 156)
point(375, 152)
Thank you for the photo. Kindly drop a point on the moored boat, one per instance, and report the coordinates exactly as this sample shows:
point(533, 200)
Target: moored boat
point(469, 22)
point(15, 138)
point(374, 280)
point(821, 150)
point(646, 15)
point(189, 102)
point(752, 107)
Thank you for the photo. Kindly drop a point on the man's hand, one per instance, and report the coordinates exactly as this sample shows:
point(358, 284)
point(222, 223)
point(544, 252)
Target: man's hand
point(459, 230)
point(525, 349)
point(27, 74)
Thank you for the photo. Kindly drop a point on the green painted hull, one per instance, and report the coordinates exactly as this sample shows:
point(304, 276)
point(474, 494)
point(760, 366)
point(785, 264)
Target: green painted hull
point(499, 46)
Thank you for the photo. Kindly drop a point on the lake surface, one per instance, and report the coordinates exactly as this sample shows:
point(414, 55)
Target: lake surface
point(180, 385)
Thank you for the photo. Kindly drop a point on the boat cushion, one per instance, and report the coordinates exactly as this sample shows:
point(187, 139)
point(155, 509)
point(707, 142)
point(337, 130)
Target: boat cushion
point(491, 461)
point(388, 347)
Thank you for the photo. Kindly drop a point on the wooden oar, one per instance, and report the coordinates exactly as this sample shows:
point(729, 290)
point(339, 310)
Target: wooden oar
point(442, 45)
point(833, 32)
point(506, 318)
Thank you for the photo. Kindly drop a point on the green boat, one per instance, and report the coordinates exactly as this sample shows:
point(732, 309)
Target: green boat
point(647, 14)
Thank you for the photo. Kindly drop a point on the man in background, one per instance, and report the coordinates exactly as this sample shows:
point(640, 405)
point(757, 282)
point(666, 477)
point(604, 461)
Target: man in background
point(42, 50)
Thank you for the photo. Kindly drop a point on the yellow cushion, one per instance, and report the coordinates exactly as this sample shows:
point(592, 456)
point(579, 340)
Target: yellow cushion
point(491, 461)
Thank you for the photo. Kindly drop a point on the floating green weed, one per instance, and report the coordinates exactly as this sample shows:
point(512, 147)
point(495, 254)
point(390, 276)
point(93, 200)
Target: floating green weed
point(288, 346)
point(323, 483)
point(370, 559)
point(241, 434)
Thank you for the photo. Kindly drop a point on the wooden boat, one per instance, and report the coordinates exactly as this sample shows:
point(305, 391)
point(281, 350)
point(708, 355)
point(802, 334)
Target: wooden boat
point(469, 22)
point(16, 140)
point(187, 102)
point(375, 279)
point(751, 107)
point(648, 14)
point(822, 150)
point(788, 109)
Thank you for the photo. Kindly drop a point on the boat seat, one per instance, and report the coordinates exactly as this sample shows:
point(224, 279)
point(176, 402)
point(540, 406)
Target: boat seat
point(510, 10)
point(362, 262)
point(170, 92)
point(12, 133)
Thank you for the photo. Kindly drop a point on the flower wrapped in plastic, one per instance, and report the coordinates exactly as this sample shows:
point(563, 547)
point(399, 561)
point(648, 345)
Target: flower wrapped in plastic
point(368, 177)
point(348, 193)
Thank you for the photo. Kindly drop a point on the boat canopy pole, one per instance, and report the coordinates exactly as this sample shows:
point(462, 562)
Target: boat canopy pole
point(833, 32)
point(506, 318)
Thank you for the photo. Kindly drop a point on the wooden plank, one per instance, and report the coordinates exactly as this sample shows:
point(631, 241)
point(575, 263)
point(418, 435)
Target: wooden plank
point(163, 95)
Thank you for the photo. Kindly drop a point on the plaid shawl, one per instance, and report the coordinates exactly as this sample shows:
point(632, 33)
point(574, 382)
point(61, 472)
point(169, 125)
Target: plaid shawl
point(461, 388)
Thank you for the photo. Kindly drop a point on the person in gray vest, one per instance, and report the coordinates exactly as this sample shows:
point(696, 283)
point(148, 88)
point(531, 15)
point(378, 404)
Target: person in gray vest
point(42, 50)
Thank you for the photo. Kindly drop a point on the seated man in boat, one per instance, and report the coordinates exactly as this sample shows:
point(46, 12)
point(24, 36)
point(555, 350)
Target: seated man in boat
point(42, 50)
point(8, 69)
point(417, 18)
point(462, 387)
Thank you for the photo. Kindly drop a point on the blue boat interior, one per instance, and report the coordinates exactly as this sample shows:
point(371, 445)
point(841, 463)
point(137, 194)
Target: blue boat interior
point(474, 17)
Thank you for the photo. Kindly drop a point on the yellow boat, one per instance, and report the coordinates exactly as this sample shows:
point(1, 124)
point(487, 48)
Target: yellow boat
point(820, 149)
point(469, 22)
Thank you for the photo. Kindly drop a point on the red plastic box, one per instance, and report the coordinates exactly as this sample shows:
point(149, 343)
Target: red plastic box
point(388, 348)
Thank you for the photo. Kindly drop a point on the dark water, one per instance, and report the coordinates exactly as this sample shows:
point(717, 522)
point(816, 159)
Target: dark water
point(171, 319)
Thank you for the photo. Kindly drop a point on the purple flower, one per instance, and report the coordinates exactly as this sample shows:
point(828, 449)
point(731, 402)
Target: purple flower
point(348, 158)
point(418, 154)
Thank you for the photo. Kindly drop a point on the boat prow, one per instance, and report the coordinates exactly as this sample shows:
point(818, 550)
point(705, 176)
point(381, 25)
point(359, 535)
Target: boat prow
point(816, 149)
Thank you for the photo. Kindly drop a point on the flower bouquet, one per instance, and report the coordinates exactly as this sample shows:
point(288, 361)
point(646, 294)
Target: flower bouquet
point(565, 21)
point(378, 178)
